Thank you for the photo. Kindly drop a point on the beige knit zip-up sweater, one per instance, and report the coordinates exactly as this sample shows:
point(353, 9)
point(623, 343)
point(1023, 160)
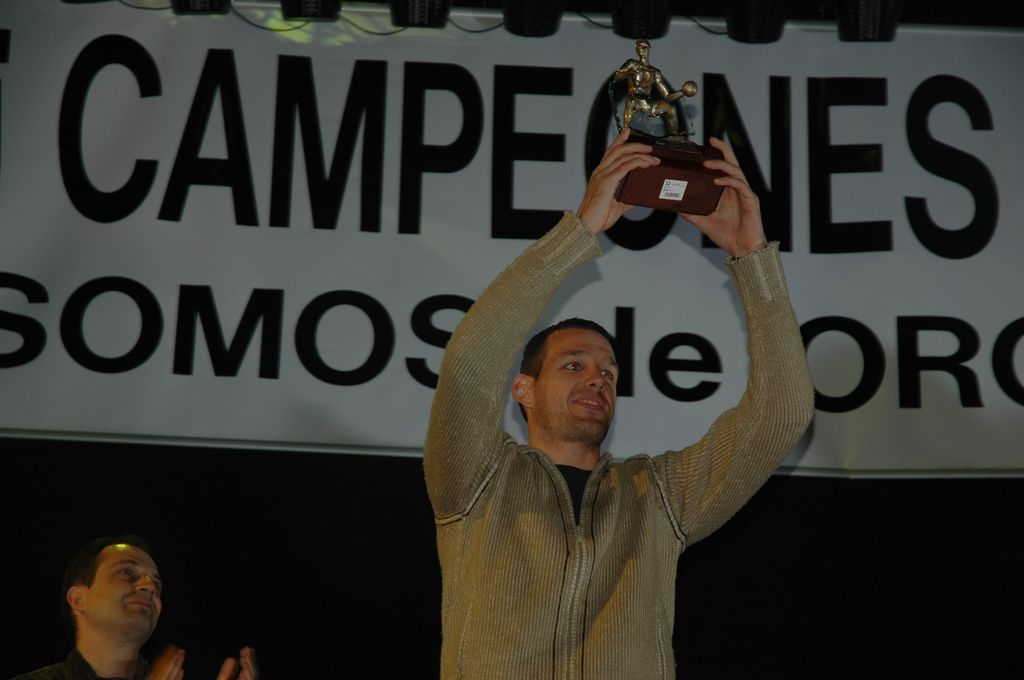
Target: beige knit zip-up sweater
point(528, 593)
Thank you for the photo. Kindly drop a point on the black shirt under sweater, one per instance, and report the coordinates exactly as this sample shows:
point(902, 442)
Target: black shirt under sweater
point(576, 479)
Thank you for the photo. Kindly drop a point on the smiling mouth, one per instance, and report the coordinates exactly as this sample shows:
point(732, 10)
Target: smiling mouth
point(591, 404)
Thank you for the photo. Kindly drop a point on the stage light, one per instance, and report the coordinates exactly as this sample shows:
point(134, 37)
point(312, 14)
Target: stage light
point(868, 20)
point(311, 10)
point(532, 18)
point(200, 6)
point(755, 21)
point(421, 13)
point(641, 18)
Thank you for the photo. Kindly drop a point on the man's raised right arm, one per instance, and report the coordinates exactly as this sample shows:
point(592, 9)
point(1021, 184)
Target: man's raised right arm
point(464, 436)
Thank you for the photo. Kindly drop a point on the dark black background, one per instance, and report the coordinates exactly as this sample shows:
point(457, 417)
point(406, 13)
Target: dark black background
point(327, 564)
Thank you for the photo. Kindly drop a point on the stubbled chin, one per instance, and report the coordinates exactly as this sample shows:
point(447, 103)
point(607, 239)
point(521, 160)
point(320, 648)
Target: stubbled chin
point(590, 430)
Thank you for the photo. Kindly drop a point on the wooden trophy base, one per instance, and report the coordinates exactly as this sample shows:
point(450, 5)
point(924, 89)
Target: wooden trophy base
point(680, 184)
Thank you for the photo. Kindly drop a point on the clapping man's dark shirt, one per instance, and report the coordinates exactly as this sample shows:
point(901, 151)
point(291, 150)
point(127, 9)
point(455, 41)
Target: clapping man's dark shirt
point(76, 668)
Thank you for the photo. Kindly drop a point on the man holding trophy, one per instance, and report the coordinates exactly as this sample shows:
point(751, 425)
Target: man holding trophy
point(559, 561)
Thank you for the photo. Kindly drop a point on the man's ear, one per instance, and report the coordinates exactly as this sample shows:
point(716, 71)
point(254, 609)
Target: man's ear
point(74, 597)
point(522, 390)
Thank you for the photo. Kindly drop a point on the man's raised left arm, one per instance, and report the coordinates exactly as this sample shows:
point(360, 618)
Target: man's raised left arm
point(712, 479)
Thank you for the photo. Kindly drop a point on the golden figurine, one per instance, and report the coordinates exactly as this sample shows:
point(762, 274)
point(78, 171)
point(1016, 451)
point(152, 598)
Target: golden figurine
point(649, 94)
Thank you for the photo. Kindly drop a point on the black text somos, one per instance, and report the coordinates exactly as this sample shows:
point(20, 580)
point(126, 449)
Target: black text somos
point(263, 317)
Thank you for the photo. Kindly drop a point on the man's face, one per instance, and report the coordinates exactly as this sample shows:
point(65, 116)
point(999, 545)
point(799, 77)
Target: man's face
point(574, 395)
point(123, 603)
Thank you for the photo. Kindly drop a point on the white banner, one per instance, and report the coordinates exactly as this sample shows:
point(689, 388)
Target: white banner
point(212, 232)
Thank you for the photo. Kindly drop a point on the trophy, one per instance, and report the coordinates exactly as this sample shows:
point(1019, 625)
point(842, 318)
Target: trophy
point(680, 183)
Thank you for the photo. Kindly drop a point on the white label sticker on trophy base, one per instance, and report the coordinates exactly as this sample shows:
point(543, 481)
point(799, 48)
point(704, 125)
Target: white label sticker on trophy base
point(673, 190)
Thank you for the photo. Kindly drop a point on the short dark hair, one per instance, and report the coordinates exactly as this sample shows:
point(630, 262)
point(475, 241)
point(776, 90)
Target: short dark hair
point(81, 570)
point(533, 353)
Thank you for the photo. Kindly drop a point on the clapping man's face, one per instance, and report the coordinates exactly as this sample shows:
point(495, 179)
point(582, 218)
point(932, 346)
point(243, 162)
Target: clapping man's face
point(123, 602)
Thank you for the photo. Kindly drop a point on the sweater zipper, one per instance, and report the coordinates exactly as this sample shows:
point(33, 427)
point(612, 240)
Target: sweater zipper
point(579, 568)
point(579, 581)
point(582, 564)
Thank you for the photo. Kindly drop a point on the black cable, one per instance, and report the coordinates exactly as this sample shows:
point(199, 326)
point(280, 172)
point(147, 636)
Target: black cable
point(261, 26)
point(128, 4)
point(712, 32)
point(476, 30)
point(598, 24)
point(366, 30)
